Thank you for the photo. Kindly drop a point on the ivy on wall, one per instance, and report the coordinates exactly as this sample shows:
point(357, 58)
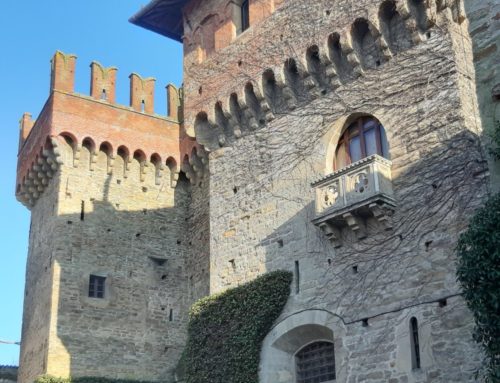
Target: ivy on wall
point(478, 271)
point(226, 330)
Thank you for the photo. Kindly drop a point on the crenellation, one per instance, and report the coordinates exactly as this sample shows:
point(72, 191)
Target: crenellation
point(56, 120)
point(142, 93)
point(25, 125)
point(63, 72)
point(103, 82)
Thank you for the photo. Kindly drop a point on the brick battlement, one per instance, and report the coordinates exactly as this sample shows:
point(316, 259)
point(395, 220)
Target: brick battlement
point(97, 122)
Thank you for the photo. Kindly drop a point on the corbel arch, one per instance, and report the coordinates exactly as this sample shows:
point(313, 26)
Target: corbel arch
point(364, 37)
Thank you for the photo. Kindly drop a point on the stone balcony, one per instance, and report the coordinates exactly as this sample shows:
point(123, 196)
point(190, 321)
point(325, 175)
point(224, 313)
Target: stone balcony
point(348, 197)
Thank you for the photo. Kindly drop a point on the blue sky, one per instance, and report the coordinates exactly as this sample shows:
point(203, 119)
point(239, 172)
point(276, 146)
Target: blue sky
point(30, 32)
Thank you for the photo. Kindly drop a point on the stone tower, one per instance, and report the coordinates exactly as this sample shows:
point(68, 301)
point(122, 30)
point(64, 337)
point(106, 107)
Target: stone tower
point(340, 140)
point(345, 146)
point(106, 280)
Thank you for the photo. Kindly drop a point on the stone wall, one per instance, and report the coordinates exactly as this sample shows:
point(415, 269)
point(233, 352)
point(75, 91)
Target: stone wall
point(38, 287)
point(110, 197)
point(117, 226)
point(275, 137)
point(484, 30)
point(270, 105)
point(110, 224)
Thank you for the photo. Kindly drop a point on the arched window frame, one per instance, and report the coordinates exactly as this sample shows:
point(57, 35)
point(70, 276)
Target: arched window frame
point(329, 376)
point(359, 129)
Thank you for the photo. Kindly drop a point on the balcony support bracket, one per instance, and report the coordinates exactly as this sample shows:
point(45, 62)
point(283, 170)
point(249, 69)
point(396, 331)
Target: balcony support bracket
point(332, 233)
point(383, 214)
point(356, 224)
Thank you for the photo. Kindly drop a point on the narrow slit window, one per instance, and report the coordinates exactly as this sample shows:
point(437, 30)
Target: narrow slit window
point(297, 277)
point(245, 15)
point(415, 345)
point(82, 211)
point(143, 106)
point(103, 95)
point(96, 286)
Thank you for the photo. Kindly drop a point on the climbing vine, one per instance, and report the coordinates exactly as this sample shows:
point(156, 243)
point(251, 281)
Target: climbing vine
point(478, 272)
point(226, 330)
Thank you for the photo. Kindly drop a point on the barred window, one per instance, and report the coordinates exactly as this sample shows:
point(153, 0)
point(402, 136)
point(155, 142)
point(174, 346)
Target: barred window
point(96, 286)
point(315, 363)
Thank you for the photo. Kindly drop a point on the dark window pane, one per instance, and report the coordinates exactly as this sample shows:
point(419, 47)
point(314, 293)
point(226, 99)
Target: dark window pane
point(369, 124)
point(355, 149)
point(96, 286)
point(364, 137)
point(371, 142)
point(245, 15)
point(415, 343)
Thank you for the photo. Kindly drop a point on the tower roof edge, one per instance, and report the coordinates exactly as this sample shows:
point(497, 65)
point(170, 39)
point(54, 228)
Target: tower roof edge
point(163, 17)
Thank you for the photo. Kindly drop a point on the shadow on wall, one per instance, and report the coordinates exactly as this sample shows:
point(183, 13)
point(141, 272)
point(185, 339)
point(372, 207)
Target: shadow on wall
point(364, 292)
point(129, 255)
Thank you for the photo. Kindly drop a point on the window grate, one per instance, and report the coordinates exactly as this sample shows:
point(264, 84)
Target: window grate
point(315, 363)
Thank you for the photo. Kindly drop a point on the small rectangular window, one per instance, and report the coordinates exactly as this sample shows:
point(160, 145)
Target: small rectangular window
point(96, 286)
point(245, 15)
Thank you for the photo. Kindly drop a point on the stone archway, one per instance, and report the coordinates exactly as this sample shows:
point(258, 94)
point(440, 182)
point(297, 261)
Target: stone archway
point(290, 335)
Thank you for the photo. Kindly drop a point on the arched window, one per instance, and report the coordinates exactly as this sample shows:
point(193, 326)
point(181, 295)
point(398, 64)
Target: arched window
point(315, 363)
point(362, 138)
point(415, 346)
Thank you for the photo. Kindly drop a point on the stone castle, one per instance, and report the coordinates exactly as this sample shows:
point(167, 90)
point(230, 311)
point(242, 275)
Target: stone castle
point(341, 140)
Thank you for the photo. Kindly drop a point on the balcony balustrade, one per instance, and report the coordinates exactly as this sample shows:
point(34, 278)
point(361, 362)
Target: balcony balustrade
point(347, 197)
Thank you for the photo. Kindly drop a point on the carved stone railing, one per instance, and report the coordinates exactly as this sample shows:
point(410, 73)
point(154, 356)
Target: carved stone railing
point(347, 197)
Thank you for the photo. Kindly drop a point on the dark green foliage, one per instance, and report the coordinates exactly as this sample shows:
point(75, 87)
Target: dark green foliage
point(53, 379)
point(478, 272)
point(226, 331)
point(8, 373)
point(495, 137)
